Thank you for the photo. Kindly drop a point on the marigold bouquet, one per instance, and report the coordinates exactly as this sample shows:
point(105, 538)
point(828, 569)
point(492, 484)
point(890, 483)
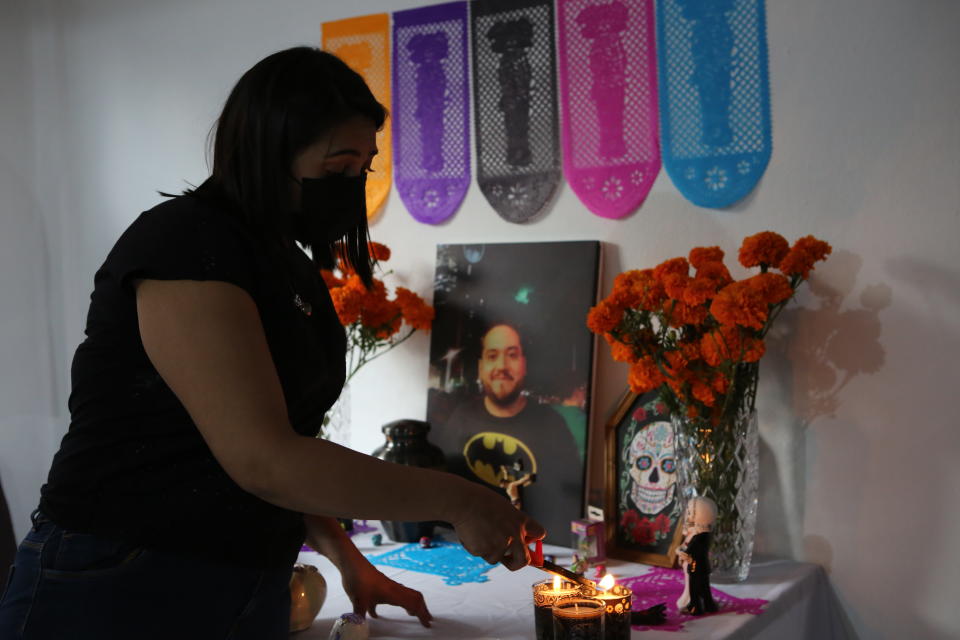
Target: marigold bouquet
point(691, 330)
point(373, 320)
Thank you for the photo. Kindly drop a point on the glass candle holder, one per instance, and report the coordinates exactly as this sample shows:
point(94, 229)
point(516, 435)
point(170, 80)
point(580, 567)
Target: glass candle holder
point(618, 603)
point(578, 618)
point(545, 594)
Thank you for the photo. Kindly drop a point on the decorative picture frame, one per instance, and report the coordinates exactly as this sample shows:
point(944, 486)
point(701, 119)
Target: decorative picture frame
point(511, 412)
point(642, 502)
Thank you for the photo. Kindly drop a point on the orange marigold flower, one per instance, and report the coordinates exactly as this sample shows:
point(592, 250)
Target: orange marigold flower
point(805, 252)
point(772, 287)
point(379, 252)
point(651, 294)
point(673, 265)
point(720, 382)
point(348, 302)
point(675, 360)
point(381, 316)
point(738, 303)
point(753, 349)
point(622, 352)
point(712, 348)
point(690, 350)
point(604, 317)
point(682, 314)
point(675, 284)
point(721, 345)
point(701, 255)
point(764, 248)
point(644, 375)
point(730, 344)
point(330, 279)
point(627, 279)
point(417, 313)
point(716, 272)
point(703, 392)
point(699, 290)
point(675, 382)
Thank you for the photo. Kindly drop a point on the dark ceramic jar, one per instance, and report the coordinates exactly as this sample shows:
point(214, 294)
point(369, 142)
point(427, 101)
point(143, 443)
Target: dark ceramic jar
point(407, 444)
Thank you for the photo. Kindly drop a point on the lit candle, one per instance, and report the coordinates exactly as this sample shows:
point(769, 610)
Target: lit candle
point(578, 618)
point(617, 601)
point(545, 593)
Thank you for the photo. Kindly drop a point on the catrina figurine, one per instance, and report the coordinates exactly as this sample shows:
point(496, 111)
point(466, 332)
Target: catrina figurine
point(694, 556)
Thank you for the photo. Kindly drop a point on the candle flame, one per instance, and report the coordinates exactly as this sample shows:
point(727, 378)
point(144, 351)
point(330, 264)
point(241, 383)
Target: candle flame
point(556, 583)
point(607, 582)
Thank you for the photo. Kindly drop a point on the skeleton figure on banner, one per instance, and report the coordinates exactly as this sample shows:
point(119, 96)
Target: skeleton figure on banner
point(602, 24)
point(511, 39)
point(427, 52)
point(712, 65)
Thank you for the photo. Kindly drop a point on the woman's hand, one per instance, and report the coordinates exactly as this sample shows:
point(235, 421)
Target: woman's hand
point(367, 588)
point(493, 529)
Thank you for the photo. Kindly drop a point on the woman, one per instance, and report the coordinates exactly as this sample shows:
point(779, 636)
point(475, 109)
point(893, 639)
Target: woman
point(190, 474)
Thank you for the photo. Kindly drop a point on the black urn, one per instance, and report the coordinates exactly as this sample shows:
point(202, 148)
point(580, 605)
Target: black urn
point(406, 443)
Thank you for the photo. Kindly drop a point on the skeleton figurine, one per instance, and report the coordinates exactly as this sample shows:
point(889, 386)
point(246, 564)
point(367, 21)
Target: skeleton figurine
point(694, 556)
point(513, 482)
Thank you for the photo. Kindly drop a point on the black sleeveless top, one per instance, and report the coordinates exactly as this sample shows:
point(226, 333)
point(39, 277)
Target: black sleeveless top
point(133, 465)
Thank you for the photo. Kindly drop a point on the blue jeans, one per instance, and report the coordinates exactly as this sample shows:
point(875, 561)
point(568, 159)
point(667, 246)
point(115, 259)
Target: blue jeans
point(79, 586)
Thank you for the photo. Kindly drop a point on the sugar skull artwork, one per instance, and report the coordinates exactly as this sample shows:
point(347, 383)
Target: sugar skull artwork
point(648, 510)
point(652, 467)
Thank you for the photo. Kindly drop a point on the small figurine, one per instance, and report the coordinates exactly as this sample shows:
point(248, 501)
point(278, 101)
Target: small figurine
point(350, 626)
point(512, 483)
point(376, 539)
point(588, 540)
point(599, 571)
point(694, 556)
point(578, 564)
point(426, 542)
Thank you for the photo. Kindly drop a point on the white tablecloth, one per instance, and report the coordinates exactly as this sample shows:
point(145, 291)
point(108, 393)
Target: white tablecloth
point(802, 604)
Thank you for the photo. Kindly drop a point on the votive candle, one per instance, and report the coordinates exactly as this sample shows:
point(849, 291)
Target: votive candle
point(545, 594)
point(578, 618)
point(617, 602)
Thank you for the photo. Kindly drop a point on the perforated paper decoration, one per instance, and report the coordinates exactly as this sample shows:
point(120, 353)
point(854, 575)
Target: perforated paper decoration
point(364, 44)
point(515, 105)
point(431, 112)
point(448, 560)
point(608, 99)
point(714, 97)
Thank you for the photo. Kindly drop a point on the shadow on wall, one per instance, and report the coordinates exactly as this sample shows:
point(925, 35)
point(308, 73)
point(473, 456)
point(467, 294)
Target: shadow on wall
point(813, 353)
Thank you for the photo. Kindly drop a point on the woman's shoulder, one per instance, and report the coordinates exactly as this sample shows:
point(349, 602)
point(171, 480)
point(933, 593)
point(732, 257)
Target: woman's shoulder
point(185, 237)
point(187, 220)
point(190, 210)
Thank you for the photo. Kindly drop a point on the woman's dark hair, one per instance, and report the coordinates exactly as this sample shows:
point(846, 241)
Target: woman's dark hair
point(278, 108)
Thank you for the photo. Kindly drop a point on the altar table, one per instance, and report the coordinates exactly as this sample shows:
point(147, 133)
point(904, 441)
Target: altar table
point(801, 603)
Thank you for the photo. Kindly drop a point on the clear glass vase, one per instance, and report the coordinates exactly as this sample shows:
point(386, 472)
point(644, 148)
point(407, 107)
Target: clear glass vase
point(722, 462)
point(336, 424)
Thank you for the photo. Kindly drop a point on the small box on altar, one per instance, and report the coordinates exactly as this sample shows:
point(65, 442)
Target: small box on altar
point(589, 539)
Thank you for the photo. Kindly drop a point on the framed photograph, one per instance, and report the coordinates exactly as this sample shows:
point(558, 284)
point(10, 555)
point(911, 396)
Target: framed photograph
point(511, 369)
point(642, 499)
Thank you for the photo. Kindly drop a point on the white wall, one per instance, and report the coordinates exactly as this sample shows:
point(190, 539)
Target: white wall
point(104, 102)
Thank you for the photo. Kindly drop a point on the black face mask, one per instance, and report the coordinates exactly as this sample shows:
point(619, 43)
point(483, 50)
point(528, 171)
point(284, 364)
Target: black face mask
point(330, 208)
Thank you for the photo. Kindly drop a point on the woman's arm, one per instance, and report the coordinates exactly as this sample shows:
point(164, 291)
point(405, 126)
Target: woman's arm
point(364, 584)
point(206, 341)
